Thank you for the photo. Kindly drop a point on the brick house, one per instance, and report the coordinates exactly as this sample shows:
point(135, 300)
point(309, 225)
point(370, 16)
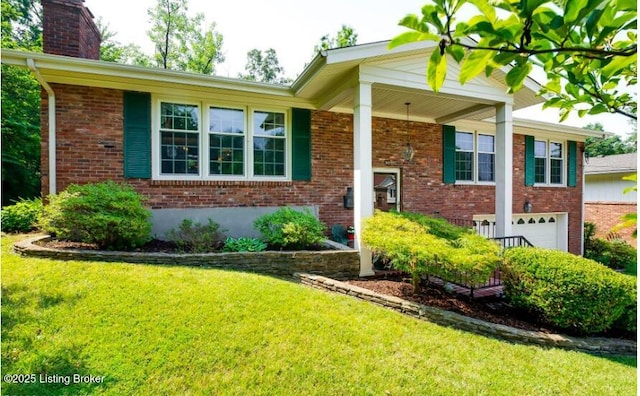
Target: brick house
point(205, 146)
point(605, 200)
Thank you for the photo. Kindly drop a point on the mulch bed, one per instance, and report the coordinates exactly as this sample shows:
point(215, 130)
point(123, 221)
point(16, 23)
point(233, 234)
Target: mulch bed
point(491, 309)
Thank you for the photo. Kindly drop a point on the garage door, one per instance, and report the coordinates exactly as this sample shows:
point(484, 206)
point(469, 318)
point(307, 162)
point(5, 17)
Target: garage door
point(541, 230)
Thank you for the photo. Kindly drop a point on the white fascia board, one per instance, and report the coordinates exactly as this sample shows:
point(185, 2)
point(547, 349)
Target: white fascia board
point(48, 62)
point(476, 93)
point(535, 128)
point(363, 52)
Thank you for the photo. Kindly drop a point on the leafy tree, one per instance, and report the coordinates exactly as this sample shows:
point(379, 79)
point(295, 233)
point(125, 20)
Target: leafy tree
point(345, 37)
point(20, 122)
point(181, 42)
point(600, 146)
point(588, 48)
point(264, 67)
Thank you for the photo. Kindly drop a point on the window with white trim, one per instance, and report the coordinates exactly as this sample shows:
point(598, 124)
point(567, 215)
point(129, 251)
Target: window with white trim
point(180, 139)
point(549, 162)
point(475, 157)
point(240, 143)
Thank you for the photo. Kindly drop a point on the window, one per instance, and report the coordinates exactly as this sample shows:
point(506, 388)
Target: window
point(268, 143)
point(475, 157)
point(240, 143)
point(180, 135)
point(226, 141)
point(549, 162)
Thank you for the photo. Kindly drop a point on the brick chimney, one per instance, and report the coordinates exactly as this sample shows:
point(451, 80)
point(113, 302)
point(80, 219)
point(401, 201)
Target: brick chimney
point(69, 29)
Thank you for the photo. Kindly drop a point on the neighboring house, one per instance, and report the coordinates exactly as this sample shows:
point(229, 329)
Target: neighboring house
point(604, 199)
point(205, 146)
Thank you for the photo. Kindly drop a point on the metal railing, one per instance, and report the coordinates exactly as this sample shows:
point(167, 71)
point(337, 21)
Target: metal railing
point(513, 241)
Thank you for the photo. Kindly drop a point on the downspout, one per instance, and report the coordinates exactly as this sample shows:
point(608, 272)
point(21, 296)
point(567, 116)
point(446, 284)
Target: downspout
point(52, 124)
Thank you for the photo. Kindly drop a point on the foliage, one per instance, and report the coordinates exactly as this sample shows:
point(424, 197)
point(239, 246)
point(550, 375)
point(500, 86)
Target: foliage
point(616, 254)
point(193, 237)
point(127, 322)
point(413, 247)
point(20, 123)
point(290, 229)
point(264, 67)
point(567, 291)
point(345, 37)
point(244, 245)
point(181, 42)
point(108, 214)
point(587, 48)
point(601, 146)
point(437, 226)
point(22, 216)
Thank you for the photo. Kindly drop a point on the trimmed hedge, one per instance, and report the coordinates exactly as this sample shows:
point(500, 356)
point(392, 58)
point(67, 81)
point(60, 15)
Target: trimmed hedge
point(413, 247)
point(287, 228)
point(569, 291)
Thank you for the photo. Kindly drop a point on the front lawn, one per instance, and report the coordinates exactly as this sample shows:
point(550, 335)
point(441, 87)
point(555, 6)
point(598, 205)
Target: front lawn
point(172, 330)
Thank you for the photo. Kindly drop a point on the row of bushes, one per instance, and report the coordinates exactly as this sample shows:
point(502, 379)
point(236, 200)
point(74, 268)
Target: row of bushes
point(420, 245)
point(565, 290)
point(113, 217)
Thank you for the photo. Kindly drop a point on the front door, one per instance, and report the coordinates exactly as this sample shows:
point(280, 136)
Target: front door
point(386, 189)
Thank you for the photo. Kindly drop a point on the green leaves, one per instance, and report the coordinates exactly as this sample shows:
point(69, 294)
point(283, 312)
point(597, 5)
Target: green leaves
point(475, 64)
point(436, 70)
point(588, 48)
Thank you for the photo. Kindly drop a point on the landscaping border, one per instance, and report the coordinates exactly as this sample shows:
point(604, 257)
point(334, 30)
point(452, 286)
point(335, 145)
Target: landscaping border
point(594, 345)
point(341, 263)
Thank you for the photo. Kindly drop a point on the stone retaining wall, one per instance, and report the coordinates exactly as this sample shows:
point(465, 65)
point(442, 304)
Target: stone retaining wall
point(603, 346)
point(338, 264)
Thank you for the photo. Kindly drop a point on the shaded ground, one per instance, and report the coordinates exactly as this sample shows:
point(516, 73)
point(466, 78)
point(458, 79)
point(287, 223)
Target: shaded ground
point(491, 309)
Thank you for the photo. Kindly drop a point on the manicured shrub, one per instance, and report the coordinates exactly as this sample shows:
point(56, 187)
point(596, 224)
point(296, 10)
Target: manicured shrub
point(23, 216)
point(437, 226)
point(290, 229)
point(567, 291)
point(108, 214)
point(412, 248)
point(193, 237)
point(244, 245)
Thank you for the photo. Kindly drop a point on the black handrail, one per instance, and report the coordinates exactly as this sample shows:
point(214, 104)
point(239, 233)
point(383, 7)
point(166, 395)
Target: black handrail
point(513, 241)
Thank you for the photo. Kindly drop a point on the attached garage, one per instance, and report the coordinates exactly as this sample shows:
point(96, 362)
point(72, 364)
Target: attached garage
point(546, 230)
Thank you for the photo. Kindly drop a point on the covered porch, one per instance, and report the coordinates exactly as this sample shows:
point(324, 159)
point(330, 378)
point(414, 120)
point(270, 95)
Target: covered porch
point(373, 83)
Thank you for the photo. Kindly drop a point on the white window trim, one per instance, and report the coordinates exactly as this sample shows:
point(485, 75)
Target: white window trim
point(475, 181)
point(203, 130)
point(547, 170)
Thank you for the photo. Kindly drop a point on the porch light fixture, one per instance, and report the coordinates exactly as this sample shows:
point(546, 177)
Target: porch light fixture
point(408, 152)
point(527, 207)
point(348, 198)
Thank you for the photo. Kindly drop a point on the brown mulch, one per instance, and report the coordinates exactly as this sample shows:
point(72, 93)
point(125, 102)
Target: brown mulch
point(153, 246)
point(491, 309)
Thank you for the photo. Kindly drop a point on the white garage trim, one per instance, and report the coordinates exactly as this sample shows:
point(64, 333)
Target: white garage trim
point(546, 230)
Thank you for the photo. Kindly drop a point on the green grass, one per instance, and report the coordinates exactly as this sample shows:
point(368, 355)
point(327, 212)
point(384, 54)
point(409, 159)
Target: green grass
point(171, 330)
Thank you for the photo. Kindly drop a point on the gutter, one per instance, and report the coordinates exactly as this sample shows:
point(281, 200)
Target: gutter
point(52, 124)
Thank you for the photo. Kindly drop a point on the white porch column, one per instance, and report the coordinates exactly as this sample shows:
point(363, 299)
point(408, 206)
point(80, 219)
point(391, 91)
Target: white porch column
point(362, 170)
point(504, 169)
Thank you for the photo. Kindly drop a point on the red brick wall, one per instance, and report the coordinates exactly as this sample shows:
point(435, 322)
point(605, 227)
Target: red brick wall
point(606, 215)
point(69, 29)
point(90, 149)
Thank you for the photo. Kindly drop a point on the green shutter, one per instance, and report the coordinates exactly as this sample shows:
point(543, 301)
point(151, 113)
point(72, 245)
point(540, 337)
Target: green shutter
point(137, 135)
point(448, 154)
point(301, 144)
point(529, 161)
point(572, 166)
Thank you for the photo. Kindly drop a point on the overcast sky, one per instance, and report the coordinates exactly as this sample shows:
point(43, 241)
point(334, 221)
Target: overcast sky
point(292, 28)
